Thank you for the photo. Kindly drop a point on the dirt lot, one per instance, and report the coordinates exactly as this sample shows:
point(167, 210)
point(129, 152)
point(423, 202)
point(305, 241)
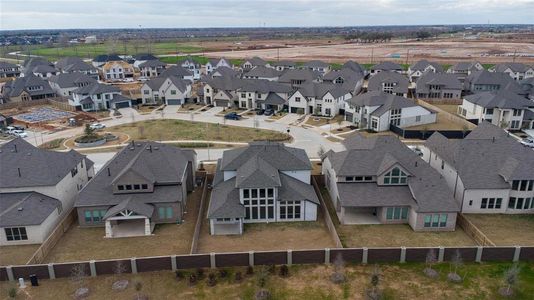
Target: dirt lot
point(450, 108)
point(16, 255)
point(89, 243)
point(442, 123)
point(443, 51)
point(506, 230)
point(481, 281)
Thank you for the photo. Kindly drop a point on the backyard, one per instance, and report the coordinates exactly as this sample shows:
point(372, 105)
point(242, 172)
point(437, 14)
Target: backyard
point(398, 281)
point(164, 130)
point(89, 243)
point(17, 255)
point(505, 230)
point(443, 122)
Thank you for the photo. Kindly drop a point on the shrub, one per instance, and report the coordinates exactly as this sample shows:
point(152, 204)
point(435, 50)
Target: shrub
point(250, 270)
point(212, 279)
point(179, 275)
point(223, 273)
point(272, 269)
point(284, 271)
point(238, 277)
point(12, 293)
point(200, 273)
point(192, 279)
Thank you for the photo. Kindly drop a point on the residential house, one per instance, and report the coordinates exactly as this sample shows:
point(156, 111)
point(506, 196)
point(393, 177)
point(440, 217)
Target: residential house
point(464, 69)
point(297, 77)
point(263, 94)
point(145, 184)
point(488, 171)
point(389, 82)
point(386, 66)
point(221, 91)
point(76, 64)
point(8, 70)
point(65, 83)
point(321, 99)
point(100, 60)
point(421, 67)
point(98, 96)
point(354, 66)
point(502, 108)
point(117, 70)
point(438, 86)
point(317, 66)
point(347, 78)
point(27, 88)
point(39, 67)
point(527, 85)
point(378, 110)
point(250, 64)
point(261, 183)
point(517, 71)
point(379, 180)
point(283, 65)
point(214, 63)
point(142, 58)
point(192, 66)
point(178, 71)
point(37, 189)
point(152, 68)
point(169, 90)
point(261, 72)
point(224, 72)
point(483, 81)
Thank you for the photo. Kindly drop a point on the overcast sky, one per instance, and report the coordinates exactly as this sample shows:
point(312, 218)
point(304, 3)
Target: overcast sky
point(65, 14)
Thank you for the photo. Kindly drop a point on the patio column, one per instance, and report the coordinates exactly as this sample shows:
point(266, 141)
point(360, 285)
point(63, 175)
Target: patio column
point(109, 232)
point(147, 226)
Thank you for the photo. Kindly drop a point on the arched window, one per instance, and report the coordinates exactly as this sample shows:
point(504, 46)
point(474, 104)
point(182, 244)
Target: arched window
point(395, 176)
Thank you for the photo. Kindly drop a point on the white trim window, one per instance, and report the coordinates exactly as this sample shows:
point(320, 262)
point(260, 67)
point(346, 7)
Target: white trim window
point(290, 210)
point(16, 234)
point(259, 204)
point(491, 203)
point(395, 176)
point(435, 220)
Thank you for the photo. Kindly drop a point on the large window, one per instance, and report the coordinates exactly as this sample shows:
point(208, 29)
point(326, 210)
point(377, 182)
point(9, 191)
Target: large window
point(290, 210)
point(94, 216)
point(165, 212)
point(395, 176)
point(491, 203)
point(16, 234)
point(397, 213)
point(521, 203)
point(435, 220)
point(522, 185)
point(259, 204)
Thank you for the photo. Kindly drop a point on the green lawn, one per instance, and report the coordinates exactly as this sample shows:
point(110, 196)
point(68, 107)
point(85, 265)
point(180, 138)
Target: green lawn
point(166, 130)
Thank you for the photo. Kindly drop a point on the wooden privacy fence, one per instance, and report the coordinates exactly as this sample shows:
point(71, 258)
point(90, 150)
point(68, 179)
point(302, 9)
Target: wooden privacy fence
point(470, 229)
point(328, 220)
point(54, 237)
point(283, 257)
point(57, 102)
point(201, 212)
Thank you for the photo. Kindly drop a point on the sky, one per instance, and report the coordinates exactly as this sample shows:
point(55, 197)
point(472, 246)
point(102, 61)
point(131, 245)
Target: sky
point(71, 14)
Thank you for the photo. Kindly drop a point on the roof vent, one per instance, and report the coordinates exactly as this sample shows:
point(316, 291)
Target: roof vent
point(29, 154)
point(20, 209)
point(132, 148)
point(156, 148)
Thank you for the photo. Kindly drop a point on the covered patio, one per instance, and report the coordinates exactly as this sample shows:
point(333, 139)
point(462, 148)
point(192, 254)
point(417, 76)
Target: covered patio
point(360, 216)
point(129, 218)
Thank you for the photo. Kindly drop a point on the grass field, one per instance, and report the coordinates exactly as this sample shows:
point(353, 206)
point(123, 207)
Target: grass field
point(506, 230)
point(187, 130)
point(17, 255)
point(406, 281)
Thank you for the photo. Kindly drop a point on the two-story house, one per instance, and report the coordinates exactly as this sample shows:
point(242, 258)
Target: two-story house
point(379, 180)
point(261, 183)
point(322, 99)
point(317, 66)
point(9, 70)
point(421, 67)
point(502, 108)
point(214, 63)
point(27, 88)
point(263, 94)
point(261, 72)
point(142, 58)
point(283, 65)
point(485, 81)
point(387, 66)
point(39, 67)
point(438, 86)
point(355, 67)
point(192, 66)
point(347, 78)
point(251, 63)
point(464, 69)
point(378, 110)
point(169, 90)
point(297, 77)
point(488, 171)
point(117, 70)
point(389, 82)
point(517, 71)
point(65, 83)
point(152, 68)
point(98, 96)
point(76, 64)
point(144, 184)
point(37, 189)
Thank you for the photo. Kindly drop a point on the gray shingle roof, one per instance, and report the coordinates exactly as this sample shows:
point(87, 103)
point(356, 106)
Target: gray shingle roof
point(426, 190)
point(487, 158)
point(263, 72)
point(144, 56)
point(69, 80)
point(387, 66)
point(73, 64)
point(446, 80)
point(96, 88)
point(256, 61)
point(15, 87)
point(463, 67)
point(515, 67)
point(483, 77)
point(500, 99)
point(274, 99)
point(354, 66)
point(106, 58)
point(375, 82)
point(131, 204)
point(384, 100)
point(316, 64)
point(318, 90)
point(298, 74)
point(152, 63)
point(37, 167)
point(26, 208)
point(165, 164)
point(421, 65)
point(177, 71)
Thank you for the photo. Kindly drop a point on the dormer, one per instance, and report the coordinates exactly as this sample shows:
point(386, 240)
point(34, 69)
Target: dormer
point(395, 175)
point(132, 181)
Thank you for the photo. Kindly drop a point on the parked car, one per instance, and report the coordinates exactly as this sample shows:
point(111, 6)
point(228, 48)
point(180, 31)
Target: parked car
point(268, 112)
point(97, 126)
point(15, 127)
point(19, 133)
point(260, 111)
point(232, 116)
point(528, 142)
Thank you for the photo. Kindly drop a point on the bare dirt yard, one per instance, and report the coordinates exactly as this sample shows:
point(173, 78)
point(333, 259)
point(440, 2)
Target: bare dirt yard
point(505, 230)
point(17, 255)
point(89, 243)
point(407, 281)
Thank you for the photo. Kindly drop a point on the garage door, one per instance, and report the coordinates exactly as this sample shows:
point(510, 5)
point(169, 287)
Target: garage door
point(297, 110)
point(348, 116)
point(174, 102)
point(122, 104)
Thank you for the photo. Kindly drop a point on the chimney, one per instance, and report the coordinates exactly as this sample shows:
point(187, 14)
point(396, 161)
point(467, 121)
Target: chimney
point(109, 172)
point(18, 169)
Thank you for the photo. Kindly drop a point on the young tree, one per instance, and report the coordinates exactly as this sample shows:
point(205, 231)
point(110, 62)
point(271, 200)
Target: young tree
point(338, 276)
point(374, 292)
point(456, 262)
point(212, 279)
point(431, 259)
point(510, 279)
point(321, 151)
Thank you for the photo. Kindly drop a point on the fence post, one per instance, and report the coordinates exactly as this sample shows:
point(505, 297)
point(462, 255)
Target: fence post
point(517, 253)
point(9, 271)
point(173, 263)
point(327, 256)
point(479, 254)
point(51, 271)
point(251, 258)
point(365, 255)
point(212, 260)
point(92, 267)
point(133, 263)
point(403, 255)
point(289, 257)
point(441, 254)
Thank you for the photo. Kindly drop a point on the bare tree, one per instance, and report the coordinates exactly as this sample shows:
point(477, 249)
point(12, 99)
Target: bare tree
point(374, 292)
point(510, 279)
point(339, 270)
point(456, 262)
point(430, 260)
point(321, 152)
point(78, 274)
point(119, 268)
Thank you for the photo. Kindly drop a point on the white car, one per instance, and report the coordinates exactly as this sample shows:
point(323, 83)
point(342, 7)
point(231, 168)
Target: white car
point(528, 142)
point(19, 133)
point(96, 126)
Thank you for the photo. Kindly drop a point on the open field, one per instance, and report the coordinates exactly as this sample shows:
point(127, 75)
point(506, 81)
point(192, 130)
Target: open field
point(162, 130)
point(505, 230)
point(89, 243)
point(17, 255)
point(406, 281)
